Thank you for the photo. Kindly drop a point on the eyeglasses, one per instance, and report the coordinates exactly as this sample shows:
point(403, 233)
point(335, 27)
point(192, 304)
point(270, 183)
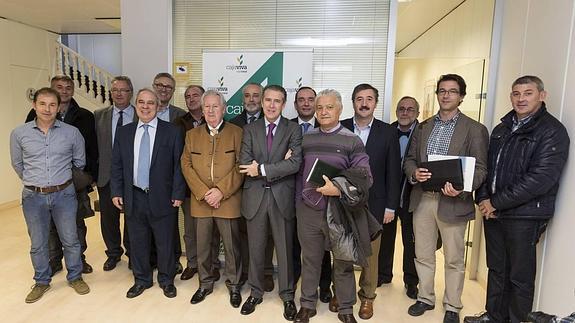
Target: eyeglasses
point(121, 91)
point(161, 86)
point(442, 92)
point(406, 110)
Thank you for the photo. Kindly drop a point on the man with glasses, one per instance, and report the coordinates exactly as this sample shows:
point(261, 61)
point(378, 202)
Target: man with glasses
point(449, 132)
point(108, 120)
point(407, 112)
point(164, 85)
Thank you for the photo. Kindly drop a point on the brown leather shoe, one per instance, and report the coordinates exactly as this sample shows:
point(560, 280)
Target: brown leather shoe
point(304, 315)
point(333, 304)
point(346, 318)
point(366, 309)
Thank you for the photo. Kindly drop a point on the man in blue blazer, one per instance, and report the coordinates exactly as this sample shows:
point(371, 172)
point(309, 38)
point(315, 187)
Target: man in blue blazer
point(148, 184)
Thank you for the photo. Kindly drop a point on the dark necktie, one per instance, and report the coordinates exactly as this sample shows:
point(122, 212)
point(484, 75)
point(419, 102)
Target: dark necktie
point(251, 119)
point(305, 126)
point(270, 136)
point(120, 120)
point(403, 133)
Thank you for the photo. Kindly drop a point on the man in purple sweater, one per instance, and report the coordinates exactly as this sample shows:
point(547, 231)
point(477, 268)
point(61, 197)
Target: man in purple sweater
point(333, 144)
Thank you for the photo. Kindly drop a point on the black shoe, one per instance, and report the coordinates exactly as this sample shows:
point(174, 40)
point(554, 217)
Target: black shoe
point(56, 267)
point(381, 281)
point(304, 315)
point(235, 298)
point(268, 283)
point(188, 273)
point(325, 295)
point(216, 274)
point(479, 318)
point(346, 318)
point(111, 263)
point(86, 268)
point(540, 317)
point(411, 291)
point(419, 308)
point(200, 295)
point(170, 291)
point(250, 305)
point(290, 310)
point(136, 290)
point(451, 317)
point(179, 268)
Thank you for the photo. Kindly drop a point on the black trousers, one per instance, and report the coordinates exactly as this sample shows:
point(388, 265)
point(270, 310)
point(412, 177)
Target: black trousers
point(325, 278)
point(408, 238)
point(110, 225)
point(55, 245)
point(512, 262)
point(386, 252)
point(142, 225)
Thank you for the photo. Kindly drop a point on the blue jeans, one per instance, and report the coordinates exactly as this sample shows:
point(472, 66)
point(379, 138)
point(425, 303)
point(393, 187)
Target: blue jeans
point(61, 208)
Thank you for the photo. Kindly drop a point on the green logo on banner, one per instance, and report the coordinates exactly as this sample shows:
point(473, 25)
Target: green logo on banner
point(271, 72)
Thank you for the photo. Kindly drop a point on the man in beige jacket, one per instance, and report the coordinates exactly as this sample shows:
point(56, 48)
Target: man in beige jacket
point(210, 165)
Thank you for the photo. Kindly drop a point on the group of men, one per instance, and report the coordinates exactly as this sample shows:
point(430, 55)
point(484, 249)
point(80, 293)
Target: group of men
point(245, 182)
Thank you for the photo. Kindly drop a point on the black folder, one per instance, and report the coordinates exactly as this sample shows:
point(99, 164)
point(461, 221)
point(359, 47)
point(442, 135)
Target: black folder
point(442, 171)
point(320, 168)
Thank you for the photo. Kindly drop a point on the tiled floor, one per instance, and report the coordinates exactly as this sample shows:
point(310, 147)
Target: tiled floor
point(107, 302)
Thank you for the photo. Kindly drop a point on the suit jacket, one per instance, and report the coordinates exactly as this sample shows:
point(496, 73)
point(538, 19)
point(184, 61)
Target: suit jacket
point(176, 112)
point(280, 172)
point(315, 124)
point(103, 119)
point(219, 155)
point(242, 119)
point(405, 185)
point(382, 147)
point(166, 180)
point(82, 119)
point(470, 138)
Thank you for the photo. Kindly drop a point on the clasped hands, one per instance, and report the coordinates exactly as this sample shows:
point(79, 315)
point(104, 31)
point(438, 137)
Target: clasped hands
point(252, 169)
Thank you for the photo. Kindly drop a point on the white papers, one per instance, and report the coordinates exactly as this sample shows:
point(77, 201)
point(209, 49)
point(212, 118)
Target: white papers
point(467, 167)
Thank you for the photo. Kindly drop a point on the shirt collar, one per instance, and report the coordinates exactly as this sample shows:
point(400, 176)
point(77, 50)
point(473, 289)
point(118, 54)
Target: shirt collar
point(217, 127)
point(310, 121)
point(366, 127)
point(437, 118)
point(277, 122)
point(153, 123)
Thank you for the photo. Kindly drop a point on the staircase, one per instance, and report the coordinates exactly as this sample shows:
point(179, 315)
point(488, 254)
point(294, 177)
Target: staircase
point(91, 82)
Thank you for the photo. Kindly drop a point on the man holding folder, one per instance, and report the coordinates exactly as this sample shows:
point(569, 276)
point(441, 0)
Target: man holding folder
point(449, 132)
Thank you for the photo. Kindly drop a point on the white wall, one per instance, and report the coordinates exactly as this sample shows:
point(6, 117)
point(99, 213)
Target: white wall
point(457, 44)
point(537, 39)
point(104, 51)
point(25, 58)
point(146, 39)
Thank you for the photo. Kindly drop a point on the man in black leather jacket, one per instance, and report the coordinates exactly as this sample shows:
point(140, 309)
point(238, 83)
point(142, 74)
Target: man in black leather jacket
point(527, 153)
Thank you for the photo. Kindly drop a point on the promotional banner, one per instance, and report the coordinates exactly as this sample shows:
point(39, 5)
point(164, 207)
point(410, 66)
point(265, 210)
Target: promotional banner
point(227, 71)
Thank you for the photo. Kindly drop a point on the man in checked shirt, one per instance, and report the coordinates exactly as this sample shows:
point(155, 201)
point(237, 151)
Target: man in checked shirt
point(449, 132)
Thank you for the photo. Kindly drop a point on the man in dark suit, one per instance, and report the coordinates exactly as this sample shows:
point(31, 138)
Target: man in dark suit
point(108, 120)
point(407, 112)
point(449, 132)
point(382, 147)
point(71, 113)
point(147, 183)
point(164, 84)
point(271, 156)
point(252, 101)
point(304, 104)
